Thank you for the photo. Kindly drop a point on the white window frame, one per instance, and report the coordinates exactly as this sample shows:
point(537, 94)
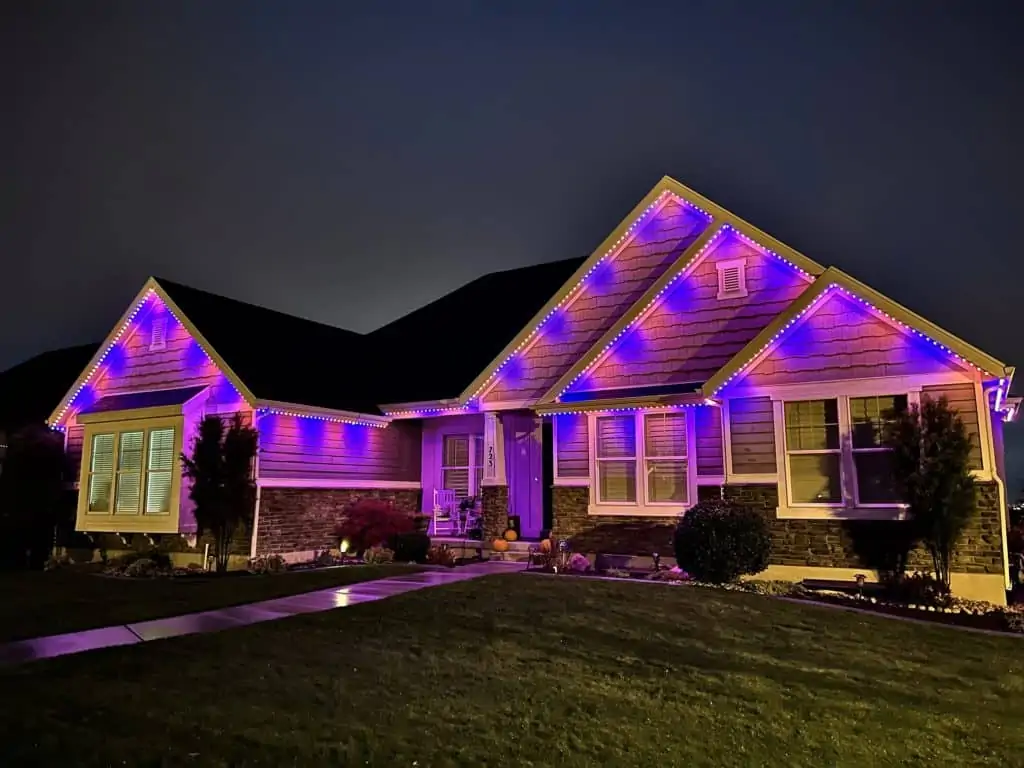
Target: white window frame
point(838, 451)
point(642, 507)
point(854, 451)
point(724, 266)
point(474, 483)
point(570, 480)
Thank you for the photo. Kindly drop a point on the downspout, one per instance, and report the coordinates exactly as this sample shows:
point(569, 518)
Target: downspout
point(256, 473)
point(1003, 533)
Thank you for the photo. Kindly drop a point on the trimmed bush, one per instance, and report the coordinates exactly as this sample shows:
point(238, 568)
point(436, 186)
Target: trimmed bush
point(411, 547)
point(718, 542)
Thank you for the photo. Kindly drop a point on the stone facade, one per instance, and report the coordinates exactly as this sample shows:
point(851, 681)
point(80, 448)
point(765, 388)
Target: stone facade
point(494, 506)
point(859, 543)
point(806, 543)
point(303, 519)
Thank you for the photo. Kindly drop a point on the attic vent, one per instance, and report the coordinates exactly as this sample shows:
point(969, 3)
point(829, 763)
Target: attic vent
point(158, 334)
point(732, 279)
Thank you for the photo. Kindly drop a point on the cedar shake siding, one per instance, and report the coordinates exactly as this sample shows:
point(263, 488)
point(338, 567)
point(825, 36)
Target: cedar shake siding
point(962, 398)
point(710, 454)
point(752, 436)
point(692, 333)
point(311, 449)
point(572, 450)
point(841, 339)
point(609, 291)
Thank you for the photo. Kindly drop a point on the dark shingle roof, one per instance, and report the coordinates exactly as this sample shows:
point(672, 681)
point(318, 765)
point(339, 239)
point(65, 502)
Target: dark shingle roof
point(30, 389)
point(437, 350)
point(432, 353)
point(278, 356)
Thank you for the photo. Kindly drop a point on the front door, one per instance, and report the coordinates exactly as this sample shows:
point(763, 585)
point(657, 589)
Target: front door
point(525, 465)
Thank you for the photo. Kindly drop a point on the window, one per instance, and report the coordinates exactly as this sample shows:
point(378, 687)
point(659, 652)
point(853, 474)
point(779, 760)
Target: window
point(101, 473)
point(812, 452)
point(732, 278)
point(641, 460)
point(872, 461)
point(158, 334)
point(665, 454)
point(616, 459)
point(462, 464)
point(828, 441)
point(159, 473)
point(128, 466)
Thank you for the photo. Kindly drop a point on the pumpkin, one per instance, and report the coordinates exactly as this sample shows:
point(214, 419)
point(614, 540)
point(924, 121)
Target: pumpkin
point(511, 535)
point(500, 545)
point(545, 546)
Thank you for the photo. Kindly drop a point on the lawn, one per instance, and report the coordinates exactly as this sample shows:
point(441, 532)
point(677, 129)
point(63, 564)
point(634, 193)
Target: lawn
point(37, 603)
point(523, 670)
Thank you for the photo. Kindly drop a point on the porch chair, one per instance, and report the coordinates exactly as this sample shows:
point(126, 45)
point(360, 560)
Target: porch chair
point(445, 512)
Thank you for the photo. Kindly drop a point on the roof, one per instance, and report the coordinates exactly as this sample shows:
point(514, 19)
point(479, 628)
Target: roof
point(29, 389)
point(151, 399)
point(278, 356)
point(435, 351)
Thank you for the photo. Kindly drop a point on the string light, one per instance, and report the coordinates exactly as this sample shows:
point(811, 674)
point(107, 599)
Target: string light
point(573, 292)
point(826, 293)
point(598, 408)
point(321, 417)
point(460, 409)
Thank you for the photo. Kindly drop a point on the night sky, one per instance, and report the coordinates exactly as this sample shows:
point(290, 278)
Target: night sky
point(350, 165)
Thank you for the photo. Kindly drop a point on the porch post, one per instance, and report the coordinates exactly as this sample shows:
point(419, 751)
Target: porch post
point(494, 494)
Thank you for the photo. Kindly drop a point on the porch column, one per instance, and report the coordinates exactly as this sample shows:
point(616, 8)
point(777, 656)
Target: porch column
point(494, 493)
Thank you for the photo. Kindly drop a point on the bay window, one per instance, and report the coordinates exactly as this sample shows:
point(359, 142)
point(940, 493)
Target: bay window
point(835, 451)
point(641, 461)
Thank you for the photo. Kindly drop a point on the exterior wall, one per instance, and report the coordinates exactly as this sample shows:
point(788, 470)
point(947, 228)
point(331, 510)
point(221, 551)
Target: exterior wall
point(710, 449)
point(301, 521)
point(296, 448)
point(612, 535)
point(963, 398)
point(841, 339)
point(752, 436)
point(572, 446)
point(692, 333)
point(433, 432)
point(610, 290)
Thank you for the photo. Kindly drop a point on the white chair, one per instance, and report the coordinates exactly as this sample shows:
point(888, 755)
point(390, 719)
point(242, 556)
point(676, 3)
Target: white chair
point(445, 512)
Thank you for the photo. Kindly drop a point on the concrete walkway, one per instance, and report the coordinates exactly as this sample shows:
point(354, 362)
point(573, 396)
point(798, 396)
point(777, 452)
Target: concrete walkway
point(243, 615)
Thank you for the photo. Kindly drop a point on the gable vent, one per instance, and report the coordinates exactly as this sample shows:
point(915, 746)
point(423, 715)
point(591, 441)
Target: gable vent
point(158, 334)
point(732, 279)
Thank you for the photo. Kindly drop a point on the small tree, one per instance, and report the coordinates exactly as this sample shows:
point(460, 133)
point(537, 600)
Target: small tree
point(34, 503)
point(931, 463)
point(223, 489)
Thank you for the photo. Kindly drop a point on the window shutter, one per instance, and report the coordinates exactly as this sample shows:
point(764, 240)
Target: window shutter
point(616, 436)
point(161, 468)
point(101, 469)
point(129, 473)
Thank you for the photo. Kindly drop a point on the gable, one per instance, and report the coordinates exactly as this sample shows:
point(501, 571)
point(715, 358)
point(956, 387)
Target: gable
point(692, 330)
point(130, 361)
point(841, 338)
point(609, 289)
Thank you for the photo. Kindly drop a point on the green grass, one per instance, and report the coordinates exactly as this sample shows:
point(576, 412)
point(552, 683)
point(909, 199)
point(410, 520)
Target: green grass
point(523, 670)
point(36, 603)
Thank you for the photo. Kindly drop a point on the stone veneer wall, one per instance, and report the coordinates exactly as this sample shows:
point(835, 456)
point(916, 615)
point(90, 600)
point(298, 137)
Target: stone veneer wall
point(835, 543)
point(807, 543)
point(494, 506)
point(303, 519)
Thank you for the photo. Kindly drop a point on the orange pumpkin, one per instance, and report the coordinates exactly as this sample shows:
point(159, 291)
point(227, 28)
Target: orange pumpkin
point(511, 535)
point(500, 545)
point(545, 546)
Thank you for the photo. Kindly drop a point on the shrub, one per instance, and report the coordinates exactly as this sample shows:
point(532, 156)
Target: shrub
point(378, 555)
point(918, 589)
point(55, 562)
point(369, 523)
point(268, 564)
point(142, 567)
point(412, 547)
point(441, 555)
point(578, 563)
point(718, 542)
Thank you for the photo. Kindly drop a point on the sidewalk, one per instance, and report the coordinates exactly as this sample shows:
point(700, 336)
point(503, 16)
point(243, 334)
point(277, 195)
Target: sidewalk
point(243, 615)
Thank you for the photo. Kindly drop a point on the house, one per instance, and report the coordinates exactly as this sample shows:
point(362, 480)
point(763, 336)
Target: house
point(690, 356)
